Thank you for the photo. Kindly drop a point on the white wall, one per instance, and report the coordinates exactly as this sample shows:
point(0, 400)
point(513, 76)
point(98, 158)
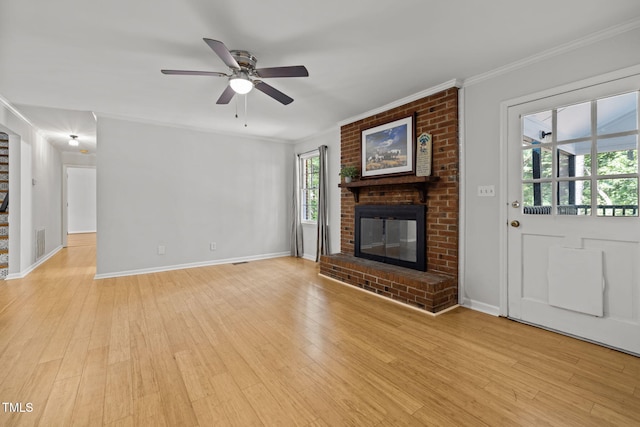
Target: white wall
point(331, 139)
point(78, 159)
point(31, 206)
point(482, 99)
point(81, 200)
point(183, 189)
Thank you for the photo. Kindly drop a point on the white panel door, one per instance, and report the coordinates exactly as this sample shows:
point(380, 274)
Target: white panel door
point(574, 231)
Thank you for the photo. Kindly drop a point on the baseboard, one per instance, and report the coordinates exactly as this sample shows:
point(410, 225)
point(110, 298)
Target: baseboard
point(190, 265)
point(309, 257)
point(482, 307)
point(23, 274)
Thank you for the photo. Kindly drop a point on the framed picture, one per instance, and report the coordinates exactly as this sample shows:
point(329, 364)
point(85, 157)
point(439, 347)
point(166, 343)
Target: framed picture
point(388, 148)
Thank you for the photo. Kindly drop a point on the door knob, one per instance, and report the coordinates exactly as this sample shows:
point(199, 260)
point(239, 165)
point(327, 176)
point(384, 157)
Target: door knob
point(515, 223)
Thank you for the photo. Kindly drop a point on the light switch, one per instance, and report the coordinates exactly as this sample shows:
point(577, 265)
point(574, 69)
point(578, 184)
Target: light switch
point(486, 190)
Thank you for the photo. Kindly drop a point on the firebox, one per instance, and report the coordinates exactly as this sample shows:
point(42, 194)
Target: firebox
point(393, 234)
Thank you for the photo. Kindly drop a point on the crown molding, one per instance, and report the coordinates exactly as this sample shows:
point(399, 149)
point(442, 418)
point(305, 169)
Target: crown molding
point(558, 50)
point(427, 92)
point(15, 111)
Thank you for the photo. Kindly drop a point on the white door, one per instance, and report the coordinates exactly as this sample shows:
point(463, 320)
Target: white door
point(81, 200)
point(574, 230)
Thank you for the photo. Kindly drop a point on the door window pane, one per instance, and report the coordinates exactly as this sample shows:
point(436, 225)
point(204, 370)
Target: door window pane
point(618, 113)
point(537, 127)
point(537, 198)
point(574, 121)
point(574, 159)
point(618, 155)
point(618, 197)
point(574, 197)
point(537, 163)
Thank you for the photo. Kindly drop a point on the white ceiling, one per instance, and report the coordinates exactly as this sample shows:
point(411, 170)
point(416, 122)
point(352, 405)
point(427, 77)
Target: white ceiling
point(61, 60)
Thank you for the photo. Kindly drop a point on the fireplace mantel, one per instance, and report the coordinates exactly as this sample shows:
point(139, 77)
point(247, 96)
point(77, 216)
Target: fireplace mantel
point(420, 183)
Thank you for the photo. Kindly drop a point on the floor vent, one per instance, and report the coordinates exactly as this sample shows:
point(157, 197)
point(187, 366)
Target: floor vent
point(241, 262)
point(39, 242)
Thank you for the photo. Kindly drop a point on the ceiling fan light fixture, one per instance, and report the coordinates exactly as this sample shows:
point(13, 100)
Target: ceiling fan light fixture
point(242, 71)
point(240, 83)
point(74, 141)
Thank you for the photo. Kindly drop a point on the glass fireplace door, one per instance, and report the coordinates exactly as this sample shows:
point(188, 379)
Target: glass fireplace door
point(393, 234)
point(389, 238)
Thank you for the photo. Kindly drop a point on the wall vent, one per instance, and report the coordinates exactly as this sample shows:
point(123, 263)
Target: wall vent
point(39, 242)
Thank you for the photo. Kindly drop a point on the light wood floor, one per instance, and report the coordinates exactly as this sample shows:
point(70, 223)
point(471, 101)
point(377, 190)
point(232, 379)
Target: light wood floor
point(271, 343)
point(81, 239)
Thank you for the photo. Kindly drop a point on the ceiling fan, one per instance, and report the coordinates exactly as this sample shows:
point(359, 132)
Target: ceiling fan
point(243, 74)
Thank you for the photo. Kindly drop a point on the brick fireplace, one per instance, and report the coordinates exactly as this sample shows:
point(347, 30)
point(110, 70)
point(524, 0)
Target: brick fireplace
point(437, 288)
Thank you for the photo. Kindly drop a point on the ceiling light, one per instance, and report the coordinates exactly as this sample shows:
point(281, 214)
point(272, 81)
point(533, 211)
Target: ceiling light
point(240, 83)
point(74, 141)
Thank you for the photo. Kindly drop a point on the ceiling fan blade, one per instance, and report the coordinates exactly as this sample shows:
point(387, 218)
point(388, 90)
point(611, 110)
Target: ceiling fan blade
point(273, 92)
point(194, 73)
point(293, 71)
point(221, 50)
point(226, 96)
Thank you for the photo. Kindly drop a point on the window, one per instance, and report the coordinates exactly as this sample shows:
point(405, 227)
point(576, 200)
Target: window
point(582, 159)
point(309, 180)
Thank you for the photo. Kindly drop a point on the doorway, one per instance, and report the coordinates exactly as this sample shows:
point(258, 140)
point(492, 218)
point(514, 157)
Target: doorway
point(573, 239)
point(79, 214)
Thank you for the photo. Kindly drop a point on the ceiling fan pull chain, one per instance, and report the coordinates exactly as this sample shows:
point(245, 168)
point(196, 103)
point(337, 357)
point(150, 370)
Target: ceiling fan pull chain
point(245, 110)
point(236, 107)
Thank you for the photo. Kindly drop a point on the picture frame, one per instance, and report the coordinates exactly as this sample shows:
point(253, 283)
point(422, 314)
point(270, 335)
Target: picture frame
point(388, 149)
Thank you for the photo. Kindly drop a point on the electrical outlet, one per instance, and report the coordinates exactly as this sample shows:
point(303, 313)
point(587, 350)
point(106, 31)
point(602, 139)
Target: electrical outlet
point(212, 246)
point(161, 250)
point(486, 190)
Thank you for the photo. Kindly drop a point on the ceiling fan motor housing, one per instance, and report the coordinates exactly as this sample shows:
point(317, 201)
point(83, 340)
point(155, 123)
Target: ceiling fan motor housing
point(244, 59)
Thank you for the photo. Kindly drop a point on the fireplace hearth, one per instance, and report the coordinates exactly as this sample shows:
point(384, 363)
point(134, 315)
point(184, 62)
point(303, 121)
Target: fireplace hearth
point(392, 234)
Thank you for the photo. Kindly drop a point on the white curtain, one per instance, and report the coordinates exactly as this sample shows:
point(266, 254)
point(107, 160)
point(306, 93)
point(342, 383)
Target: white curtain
point(322, 247)
point(296, 226)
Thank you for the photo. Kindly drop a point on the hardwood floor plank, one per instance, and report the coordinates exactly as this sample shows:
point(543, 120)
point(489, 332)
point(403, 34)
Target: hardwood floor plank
point(119, 390)
point(59, 409)
point(119, 340)
point(73, 360)
point(346, 390)
point(290, 401)
point(101, 331)
point(148, 411)
point(233, 403)
point(209, 412)
point(612, 417)
point(272, 343)
point(89, 403)
point(565, 413)
point(269, 409)
point(143, 372)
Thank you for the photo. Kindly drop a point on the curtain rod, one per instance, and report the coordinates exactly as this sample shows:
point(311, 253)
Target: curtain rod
point(307, 152)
